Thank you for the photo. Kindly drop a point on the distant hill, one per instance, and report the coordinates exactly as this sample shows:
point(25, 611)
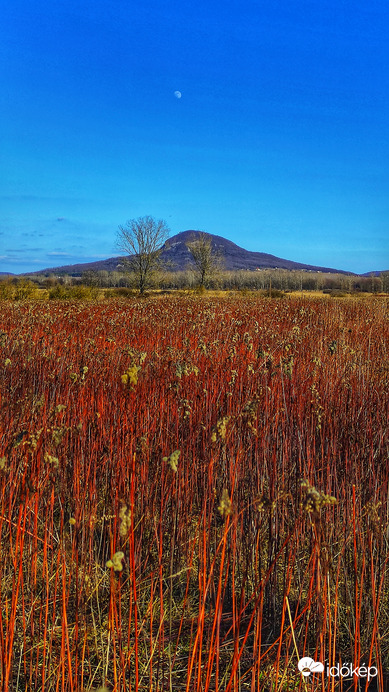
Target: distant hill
point(177, 257)
point(234, 257)
point(111, 264)
point(377, 273)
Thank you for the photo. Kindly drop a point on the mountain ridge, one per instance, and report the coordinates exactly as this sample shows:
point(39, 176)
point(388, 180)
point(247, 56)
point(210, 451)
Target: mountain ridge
point(235, 257)
point(176, 257)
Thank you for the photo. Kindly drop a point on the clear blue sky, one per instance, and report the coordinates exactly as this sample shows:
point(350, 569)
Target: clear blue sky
point(280, 141)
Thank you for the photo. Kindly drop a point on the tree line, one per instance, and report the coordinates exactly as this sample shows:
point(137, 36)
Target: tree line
point(142, 240)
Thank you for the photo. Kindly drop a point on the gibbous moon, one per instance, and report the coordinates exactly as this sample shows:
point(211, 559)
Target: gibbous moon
point(177, 94)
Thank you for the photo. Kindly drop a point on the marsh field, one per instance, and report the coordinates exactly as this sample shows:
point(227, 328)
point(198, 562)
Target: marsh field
point(194, 493)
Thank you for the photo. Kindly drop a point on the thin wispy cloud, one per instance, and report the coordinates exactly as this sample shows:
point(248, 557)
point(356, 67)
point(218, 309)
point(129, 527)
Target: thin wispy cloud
point(58, 254)
point(22, 260)
point(26, 250)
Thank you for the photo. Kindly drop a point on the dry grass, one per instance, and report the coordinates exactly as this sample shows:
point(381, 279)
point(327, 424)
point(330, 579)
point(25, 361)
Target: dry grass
point(127, 564)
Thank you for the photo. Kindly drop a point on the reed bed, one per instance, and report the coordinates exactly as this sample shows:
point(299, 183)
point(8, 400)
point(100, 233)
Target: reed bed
point(194, 493)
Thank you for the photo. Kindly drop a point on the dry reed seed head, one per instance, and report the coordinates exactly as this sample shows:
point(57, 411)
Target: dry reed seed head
point(57, 434)
point(33, 439)
point(125, 523)
point(253, 429)
point(135, 355)
point(130, 377)
point(225, 507)
point(234, 375)
point(231, 352)
point(83, 372)
point(370, 510)
point(116, 562)
point(185, 368)
point(287, 362)
point(51, 460)
point(220, 430)
point(250, 409)
point(315, 500)
point(59, 408)
point(185, 407)
point(263, 504)
point(141, 444)
point(7, 362)
point(173, 460)
point(3, 463)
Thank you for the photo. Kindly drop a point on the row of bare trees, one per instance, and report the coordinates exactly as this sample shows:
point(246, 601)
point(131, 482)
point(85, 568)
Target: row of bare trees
point(143, 240)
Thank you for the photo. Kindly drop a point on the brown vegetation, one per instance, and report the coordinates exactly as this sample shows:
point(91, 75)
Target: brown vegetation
point(190, 489)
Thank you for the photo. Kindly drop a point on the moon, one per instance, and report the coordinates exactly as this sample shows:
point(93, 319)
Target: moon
point(177, 94)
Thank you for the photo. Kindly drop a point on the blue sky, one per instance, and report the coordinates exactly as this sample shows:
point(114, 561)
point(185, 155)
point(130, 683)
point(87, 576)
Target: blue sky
point(280, 141)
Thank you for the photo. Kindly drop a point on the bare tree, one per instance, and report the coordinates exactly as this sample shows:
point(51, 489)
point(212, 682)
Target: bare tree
point(142, 239)
point(205, 258)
